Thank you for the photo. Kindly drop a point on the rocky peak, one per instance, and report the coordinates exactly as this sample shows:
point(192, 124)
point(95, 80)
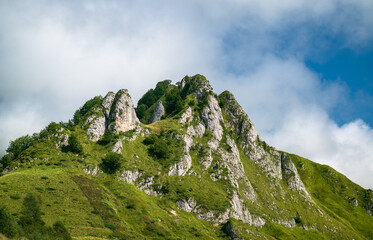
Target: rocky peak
point(158, 112)
point(212, 116)
point(116, 113)
point(107, 102)
point(122, 114)
point(197, 84)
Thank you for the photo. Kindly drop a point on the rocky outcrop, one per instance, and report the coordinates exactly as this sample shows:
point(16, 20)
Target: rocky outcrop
point(107, 102)
point(96, 126)
point(196, 84)
point(239, 210)
point(116, 113)
point(117, 148)
point(186, 116)
point(60, 138)
point(212, 116)
point(158, 112)
point(122, 114)
point(188, 205)
point(92, 170)
point(231, 160)
point(181, 168)
point(248, 138)
point(291, 176)
point(130, 176)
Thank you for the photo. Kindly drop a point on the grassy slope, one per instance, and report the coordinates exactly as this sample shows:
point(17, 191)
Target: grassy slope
point(102, 207)
point(335, 194)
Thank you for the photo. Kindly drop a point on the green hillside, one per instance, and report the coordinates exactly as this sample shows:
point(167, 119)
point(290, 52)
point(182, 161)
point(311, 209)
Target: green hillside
point(201, 172)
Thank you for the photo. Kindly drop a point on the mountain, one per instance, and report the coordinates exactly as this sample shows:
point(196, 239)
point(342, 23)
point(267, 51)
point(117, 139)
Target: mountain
point(186, 163)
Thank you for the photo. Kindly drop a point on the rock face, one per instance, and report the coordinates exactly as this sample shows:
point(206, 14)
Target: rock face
point(107, 102)
point(96, 126)
point(291, 176)
point(158, 112)
point(249, 140)
point(186, 116)
point(211, 116)
point(122, 114)
point(116, 114)
point(181, 168)
point(117, 148)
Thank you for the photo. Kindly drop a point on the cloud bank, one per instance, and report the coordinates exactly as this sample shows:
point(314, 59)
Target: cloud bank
point(54, 56)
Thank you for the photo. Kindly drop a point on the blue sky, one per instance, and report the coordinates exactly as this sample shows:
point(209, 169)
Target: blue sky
point(301, 69)
point(355, 70)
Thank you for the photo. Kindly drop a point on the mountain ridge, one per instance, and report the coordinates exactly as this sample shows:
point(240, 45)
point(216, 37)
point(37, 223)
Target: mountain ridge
point(202, 156)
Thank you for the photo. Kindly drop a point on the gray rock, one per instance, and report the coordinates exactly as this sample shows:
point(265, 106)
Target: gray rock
point(117, 148)
point(60, 138)
point(239, 210)
point(202, 85)
point(188, 205)
point(258, 221)
point(158, 112)
point(181, 168)
point(292, 178)
point(287, 223)
point(107, 102)
point(269, 160)
point(211, 116)
point(130, 177)
point(122, 115)
point(96, 126)
point(92, 170)
point(199, 130)
point(232, 161)
point(186, 116)
point(146, 186)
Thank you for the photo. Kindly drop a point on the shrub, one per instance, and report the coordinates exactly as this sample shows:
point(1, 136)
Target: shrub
point(150, 140)
point(74, 145)
point(173, 102)
point(61, 231)
point(160, 149)
point(8, 226)
point(6, 160)
point(111, 163)
point(108, 137)
point(19, 145)
point(31, 213)
point(140, 110)
point(85, 108)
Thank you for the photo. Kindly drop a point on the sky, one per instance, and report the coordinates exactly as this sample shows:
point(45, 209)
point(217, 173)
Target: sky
point(302, 70)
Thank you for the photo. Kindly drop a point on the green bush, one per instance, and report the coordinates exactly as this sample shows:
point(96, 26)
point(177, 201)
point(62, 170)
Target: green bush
point(19, 145)
point(78, 115)
point(150, 139)
point(174, 103)
point(111, 163)
point(60, 231)
point(8, 226)
point(109, 137)
point(160, 149)
point(163, 148)
point(6, 160)
point(31, 213)
point(74, 145)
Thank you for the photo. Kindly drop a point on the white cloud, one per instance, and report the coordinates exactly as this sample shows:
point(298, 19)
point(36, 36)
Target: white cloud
point(312, 134)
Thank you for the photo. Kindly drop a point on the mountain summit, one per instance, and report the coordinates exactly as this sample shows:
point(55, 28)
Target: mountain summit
point(185, 163)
